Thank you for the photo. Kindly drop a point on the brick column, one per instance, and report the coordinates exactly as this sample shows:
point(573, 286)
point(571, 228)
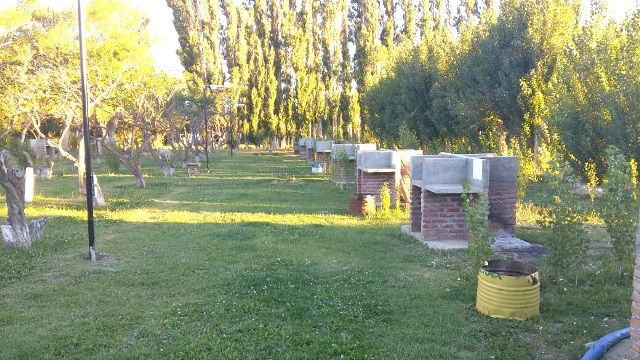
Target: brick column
point(324, 158)
point(443, 217)
point(415, 210)
point(310, 153)
point(502, 205)
point(371, 183)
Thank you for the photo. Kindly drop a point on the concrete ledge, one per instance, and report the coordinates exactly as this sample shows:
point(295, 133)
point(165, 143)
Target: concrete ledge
point(323, 146)
point(451, 189)
point(350, 149)
point(385, 160)
point(385, 170)
point(436, 244)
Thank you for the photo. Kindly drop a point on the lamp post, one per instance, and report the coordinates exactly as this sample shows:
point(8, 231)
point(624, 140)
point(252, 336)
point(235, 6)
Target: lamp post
point(86, 135)
point(206, 123)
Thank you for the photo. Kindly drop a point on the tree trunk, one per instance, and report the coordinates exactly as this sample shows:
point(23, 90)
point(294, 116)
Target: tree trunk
point(17, 233)
point(131, 162)
point(168, 170)
point(137, 173)
point(98, 197)
point(82, 172)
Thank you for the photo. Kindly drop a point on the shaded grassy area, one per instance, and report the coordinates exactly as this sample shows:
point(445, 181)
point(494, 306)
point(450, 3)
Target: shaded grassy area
point(260, 259)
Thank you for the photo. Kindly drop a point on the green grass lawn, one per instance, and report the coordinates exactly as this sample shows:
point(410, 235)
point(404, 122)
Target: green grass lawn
point(260, 259)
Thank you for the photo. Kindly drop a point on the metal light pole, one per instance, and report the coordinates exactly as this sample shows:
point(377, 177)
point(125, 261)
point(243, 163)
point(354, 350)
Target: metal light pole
point(85, 125)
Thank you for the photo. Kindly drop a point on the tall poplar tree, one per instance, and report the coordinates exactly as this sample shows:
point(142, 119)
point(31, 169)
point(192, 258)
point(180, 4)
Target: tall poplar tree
point(331, 60)
point(410, 18)
point(235, 50)
point(368, 49)
point(198, 26)
point(307, 64)
point(349, 111)
point(286, 102)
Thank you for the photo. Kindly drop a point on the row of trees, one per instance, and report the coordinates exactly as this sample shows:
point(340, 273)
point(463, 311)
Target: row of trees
point(303, 67)
point(520, 78)
point(513, 76)
point(540, 78)
point(133, 108)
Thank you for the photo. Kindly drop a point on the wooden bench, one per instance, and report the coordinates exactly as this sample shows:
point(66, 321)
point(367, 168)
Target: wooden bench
point(192, 168)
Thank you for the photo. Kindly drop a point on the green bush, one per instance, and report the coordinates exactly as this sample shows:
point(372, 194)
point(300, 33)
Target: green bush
point(385, 197)
point(16, 150)
point(567, 243)
point(113, 162)
point(619, 208)
point(476, 215)
point(407, 139)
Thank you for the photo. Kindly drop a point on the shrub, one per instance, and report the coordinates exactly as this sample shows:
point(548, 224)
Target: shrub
point(567, 242)
point(619, 208)
point(385, 197)
point(17, 150)
point(113, 161)
point(476, 215)
point(407, 139)
point(342, 169)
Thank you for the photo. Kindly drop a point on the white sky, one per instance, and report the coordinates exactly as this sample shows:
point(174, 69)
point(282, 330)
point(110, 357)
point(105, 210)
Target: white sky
point(161, 26)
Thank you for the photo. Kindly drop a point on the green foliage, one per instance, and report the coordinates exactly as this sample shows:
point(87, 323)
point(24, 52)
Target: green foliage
point(566, 241)
point(17, 150)
point(74, 141)
point(526, 167)
point(476, 215)
point(341, 157)
point(407, 139)
point(385, 197)
point(343, 170)
point(592, 179)
point(619, 208)
point(594, 91)
point(112, 161)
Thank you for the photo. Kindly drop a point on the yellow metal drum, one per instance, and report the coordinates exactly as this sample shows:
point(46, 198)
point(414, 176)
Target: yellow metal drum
point(508, 289)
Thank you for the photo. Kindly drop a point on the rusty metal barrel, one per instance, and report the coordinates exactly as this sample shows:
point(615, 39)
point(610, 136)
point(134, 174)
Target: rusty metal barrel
point(508, 289)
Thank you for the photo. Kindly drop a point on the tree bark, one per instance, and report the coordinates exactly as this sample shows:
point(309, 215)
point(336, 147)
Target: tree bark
point(98, 197)
point(17, 233)
point(132, 162)
point(82, 172)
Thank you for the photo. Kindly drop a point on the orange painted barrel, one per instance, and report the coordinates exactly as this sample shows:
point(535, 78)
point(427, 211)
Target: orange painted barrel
point(508, 289)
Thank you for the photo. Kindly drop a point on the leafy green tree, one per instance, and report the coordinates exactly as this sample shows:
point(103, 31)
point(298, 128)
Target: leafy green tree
point(567, 243)
point(619, 206)
point(307, 64)
point(198, 26)
point(236, 53)
point(595, 91)
point(139, 120)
